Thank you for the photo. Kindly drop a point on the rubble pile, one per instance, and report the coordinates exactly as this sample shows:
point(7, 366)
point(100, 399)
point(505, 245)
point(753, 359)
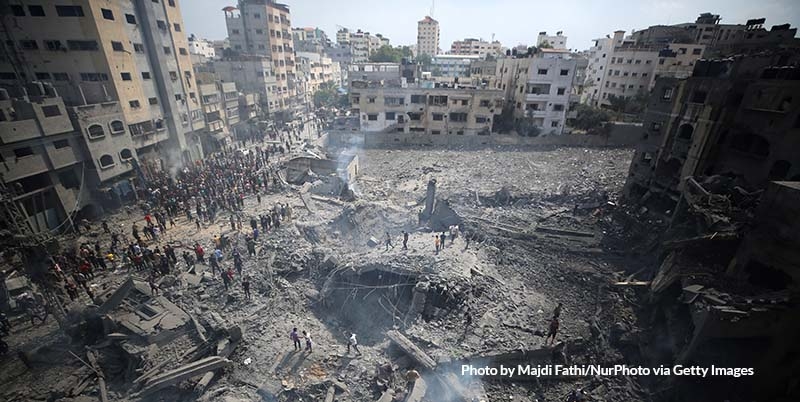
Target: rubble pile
point(517, 243)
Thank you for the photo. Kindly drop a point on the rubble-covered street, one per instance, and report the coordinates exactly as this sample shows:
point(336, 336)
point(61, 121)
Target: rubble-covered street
point(535, 228)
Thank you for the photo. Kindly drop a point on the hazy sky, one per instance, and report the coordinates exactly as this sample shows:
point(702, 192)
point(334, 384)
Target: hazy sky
point(511, 21)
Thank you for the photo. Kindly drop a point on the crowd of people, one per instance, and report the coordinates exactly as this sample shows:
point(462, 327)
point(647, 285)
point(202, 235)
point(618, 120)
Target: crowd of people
point(201, 192)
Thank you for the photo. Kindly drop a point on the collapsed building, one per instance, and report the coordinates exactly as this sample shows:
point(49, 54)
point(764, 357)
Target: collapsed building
point(714, 155)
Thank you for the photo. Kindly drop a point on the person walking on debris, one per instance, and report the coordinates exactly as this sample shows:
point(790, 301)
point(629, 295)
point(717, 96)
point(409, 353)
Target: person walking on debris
point(388, 241)
point(551, 335)
point(226, 278)
point(308, 341)
point(251, 247)
point(237, 262)
point(246, 287)
point(353, 342)
point(436, 242)
point(296, 339)
point(405, 240)
point(153, 285)
point(215, 265)
point(444, 239)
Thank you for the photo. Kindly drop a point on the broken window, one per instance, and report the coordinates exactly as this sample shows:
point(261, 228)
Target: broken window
point(437, 100)
point(458, 117)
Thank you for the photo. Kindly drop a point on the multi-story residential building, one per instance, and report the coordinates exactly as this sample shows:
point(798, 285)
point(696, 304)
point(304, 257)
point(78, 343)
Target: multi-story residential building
point(386, 102)
point(356, 47)
point(220, 102)
point(478, 47)
point(201, 47)
point(482, 73)
point(310, 40)
point(263, 28)
point(451, 65)
point(734, 116)
point(253, 74)
point(538, 87)
point(428, 36)
point(623, 67)
point(316, 70)
point(633, 69)
point(598, 56)
point(557, 41)
point(42, 159)
point(98, 51)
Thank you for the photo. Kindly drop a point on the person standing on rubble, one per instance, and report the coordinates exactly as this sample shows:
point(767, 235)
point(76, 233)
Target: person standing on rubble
point(307, 335)
point(296, 339)
point(388, 241)
point(251, 247)
point(553, 330)
point(246, 287)
point(153, 285)
point(405, 240)
point(444, 239)
point(199, 252)
point(237, 261)
point(354, 343)
point(226, 278)
point(436, 242)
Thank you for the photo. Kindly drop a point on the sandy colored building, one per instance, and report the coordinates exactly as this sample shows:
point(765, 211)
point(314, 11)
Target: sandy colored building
point(471, 46)
point(93, 51)
point(428, 36)
point(539, 87)
point(263, 28)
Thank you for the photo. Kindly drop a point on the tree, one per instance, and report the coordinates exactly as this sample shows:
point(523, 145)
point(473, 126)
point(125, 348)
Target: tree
point(388, 54)
point(526, 127)
point(545, 45)
point(634, 105)
point(328, 96)
point(589, 118)
point(424, 59)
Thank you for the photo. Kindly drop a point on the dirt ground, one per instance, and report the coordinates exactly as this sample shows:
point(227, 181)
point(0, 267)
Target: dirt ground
point(544, 230)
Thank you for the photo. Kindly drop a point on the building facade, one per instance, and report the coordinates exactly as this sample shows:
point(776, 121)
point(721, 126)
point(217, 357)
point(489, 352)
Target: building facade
point(538, 87)
point(623, 67)
point(252, 74)
point(478, 47)
point(263, 28)
point(557, 41)
point(450, 65)
point(386, 101)
point(133, 52)
point(734, 116)
point(428, 37)
point(201, 47)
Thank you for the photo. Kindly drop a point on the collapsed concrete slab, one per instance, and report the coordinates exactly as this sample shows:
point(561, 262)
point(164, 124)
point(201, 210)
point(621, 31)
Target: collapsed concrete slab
point(185, 372)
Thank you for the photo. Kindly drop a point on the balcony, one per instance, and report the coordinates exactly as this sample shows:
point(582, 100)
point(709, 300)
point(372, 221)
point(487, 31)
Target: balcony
point(215, 126)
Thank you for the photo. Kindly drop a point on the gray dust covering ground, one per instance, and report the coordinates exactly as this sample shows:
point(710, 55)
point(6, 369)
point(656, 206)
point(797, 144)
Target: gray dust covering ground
point(543, 231)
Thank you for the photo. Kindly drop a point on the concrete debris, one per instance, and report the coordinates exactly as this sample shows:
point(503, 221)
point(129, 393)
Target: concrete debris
point(422, 251)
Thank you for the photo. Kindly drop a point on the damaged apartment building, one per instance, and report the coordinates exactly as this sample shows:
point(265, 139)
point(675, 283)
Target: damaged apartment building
point(91, 93)
point(396, 105)
point(717, 158)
